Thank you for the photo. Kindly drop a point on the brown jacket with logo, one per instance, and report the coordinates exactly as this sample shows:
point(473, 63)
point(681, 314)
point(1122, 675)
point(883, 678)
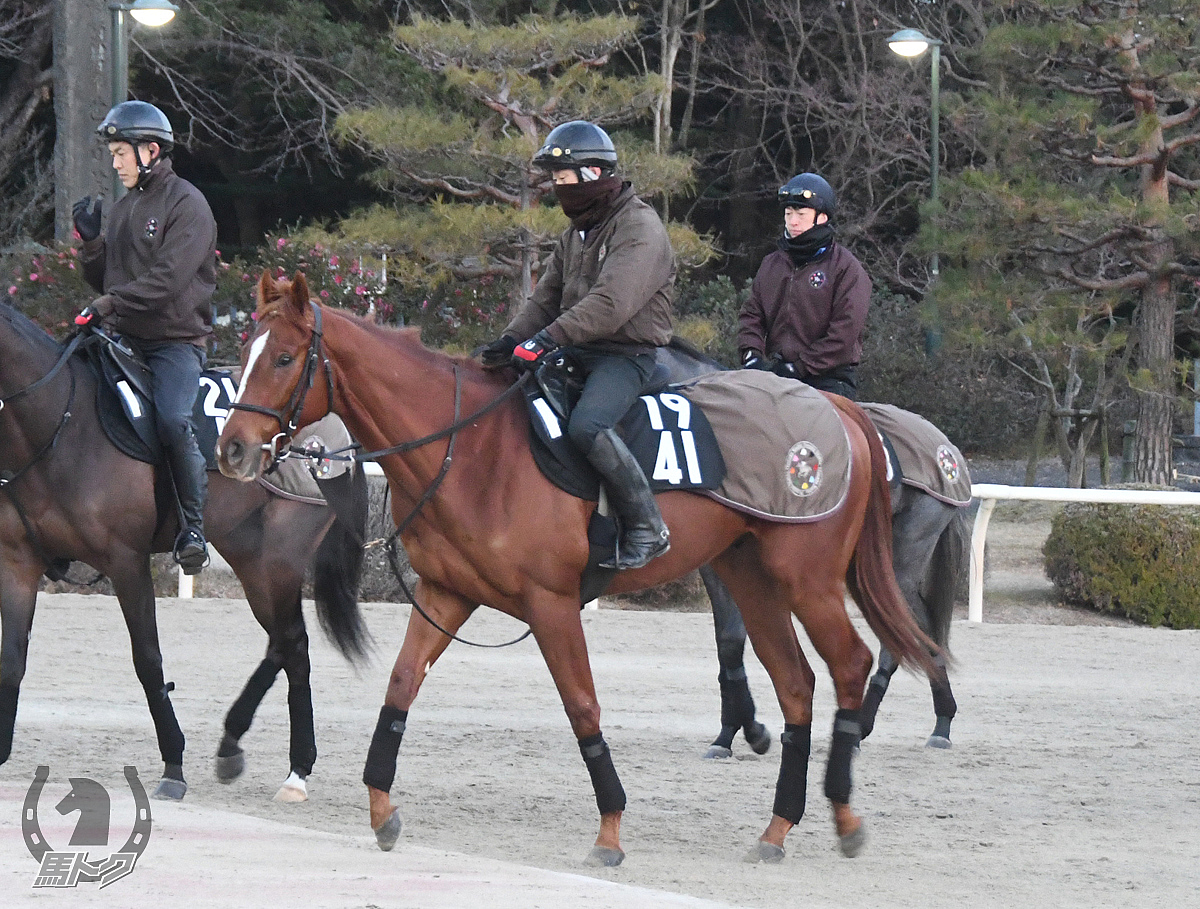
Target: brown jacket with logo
point(156, 262)
point(813, 314)
point(614, 286)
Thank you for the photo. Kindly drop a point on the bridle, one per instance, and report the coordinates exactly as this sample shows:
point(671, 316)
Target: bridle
point(294, 408)
point(289, 416)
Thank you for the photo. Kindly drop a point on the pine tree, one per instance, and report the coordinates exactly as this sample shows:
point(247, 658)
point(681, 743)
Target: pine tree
point(468, 201)
point(1078, 220)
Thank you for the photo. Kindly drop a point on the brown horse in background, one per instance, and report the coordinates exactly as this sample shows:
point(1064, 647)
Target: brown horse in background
point(491, 529)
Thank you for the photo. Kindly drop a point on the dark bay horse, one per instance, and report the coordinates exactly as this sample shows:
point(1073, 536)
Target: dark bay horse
point(66, 493)
point(930, 550)
point(489, 529)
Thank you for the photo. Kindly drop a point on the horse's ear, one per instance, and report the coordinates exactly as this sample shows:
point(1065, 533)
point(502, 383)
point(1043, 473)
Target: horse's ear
point(300, 296)
point(266, 290)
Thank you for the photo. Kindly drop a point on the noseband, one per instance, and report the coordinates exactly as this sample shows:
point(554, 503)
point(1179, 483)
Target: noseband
point(289, 417)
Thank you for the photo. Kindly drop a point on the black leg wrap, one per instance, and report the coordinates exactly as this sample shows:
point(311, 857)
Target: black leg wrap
point(166, 726)
point(846, 735)
point(792, 786)
point(871, 701)
point(943, 701)
point(241, 714)
point(8, 719)
point(303, 748)
point(610, 795)
point(737, 704)
point(380, 771)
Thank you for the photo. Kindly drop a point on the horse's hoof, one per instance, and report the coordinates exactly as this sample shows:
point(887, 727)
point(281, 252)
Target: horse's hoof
point(718, 752)
point(852, 843)
point(230, 768)
point(759, 738)
point(603, 857)
point(169, 790)
point(389, 831)
point(765, 853)
point(294, 789)
point(939, 741)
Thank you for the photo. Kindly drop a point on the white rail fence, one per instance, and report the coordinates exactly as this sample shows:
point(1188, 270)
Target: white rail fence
point(988, 494)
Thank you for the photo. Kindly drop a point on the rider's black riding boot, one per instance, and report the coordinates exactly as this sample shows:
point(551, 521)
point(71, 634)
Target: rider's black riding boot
point(643, 533)
point(190, 474)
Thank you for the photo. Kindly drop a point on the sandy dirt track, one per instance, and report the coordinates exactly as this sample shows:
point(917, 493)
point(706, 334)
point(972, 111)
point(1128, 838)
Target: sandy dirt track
point(1073, 781)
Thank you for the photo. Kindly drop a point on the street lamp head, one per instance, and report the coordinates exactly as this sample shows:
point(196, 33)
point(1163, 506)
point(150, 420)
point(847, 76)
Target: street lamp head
point(909, 42)
point(153, 12)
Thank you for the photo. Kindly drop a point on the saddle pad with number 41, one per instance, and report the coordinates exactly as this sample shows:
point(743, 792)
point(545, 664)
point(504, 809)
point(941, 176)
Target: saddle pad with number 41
point(767, 446)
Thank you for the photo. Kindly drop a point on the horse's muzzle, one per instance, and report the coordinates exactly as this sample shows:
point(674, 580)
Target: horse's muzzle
point(239, 461)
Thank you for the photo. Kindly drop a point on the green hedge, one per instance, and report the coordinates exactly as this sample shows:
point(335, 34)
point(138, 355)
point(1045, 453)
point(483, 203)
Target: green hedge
point(1139, 561)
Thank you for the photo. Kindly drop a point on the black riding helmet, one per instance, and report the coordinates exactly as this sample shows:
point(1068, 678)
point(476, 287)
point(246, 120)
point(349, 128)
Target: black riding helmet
point(137, 123)
point(808, 191)
point(577, 144)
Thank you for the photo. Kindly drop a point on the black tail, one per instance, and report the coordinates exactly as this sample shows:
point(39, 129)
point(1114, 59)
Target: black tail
point(947, 569)
point(337, 571)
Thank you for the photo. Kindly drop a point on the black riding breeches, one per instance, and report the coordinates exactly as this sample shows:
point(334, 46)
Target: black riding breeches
point(614, 382)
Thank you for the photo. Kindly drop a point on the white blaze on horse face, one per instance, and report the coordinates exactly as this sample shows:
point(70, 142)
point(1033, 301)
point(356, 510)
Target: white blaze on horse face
point(256, 350)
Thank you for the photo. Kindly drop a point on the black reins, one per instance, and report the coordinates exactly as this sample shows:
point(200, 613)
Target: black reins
point(294, 408)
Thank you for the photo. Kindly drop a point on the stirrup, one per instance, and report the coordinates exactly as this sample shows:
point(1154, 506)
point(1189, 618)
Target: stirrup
point(622, 561)
point(191, 551)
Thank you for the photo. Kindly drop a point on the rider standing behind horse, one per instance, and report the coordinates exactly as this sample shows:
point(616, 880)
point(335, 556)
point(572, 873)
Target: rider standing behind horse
point(156, 269)
point(607, 293)
point(808, 303)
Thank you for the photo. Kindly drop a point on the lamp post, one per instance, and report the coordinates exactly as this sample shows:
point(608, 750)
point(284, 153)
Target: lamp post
point(148, 12)
point(909, 42)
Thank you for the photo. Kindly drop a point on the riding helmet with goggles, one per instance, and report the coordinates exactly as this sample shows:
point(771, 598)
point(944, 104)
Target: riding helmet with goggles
point(808, 191)
point(577, 144)
point(137, 123)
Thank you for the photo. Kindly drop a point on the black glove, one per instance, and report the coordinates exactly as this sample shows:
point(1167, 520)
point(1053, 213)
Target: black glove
point(498, 353)
point(530, 354)
point(783, 369)
point(753, 359)
point(87, 317)
point(87, 222)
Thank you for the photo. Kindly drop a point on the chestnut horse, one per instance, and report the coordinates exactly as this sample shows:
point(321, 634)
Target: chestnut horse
point(484, 526)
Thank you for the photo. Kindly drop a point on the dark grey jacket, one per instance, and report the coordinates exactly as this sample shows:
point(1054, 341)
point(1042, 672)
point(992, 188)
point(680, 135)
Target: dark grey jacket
point(156, 262)
point(616, 286)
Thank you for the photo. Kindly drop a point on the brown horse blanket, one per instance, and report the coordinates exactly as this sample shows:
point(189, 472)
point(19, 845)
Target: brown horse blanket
point(787, 455)
point(928, 460)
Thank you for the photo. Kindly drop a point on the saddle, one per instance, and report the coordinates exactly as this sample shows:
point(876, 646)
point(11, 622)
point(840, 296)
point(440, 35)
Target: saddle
point(672, 441)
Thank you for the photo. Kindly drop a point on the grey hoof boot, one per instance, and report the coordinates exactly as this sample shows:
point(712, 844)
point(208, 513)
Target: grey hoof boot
point(759, 738)
point(939, 741)
point(169, 790)
point(765, 853)
point(603, 857)
point(852, 843)
point(717, 753)
point(389, 831)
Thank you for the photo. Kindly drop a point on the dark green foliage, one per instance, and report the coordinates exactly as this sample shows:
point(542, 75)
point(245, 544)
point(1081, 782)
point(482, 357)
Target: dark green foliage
point(1139, 561)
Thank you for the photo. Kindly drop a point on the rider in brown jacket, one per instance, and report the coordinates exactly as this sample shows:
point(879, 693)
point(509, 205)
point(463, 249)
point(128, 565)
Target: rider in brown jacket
point(156, 270)
point(607, 293)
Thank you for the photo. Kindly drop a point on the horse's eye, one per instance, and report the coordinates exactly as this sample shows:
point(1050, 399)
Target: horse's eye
point(284, 359)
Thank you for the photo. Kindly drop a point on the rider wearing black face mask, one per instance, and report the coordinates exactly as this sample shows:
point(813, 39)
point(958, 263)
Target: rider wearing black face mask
point(808, 304)
point(606, 293)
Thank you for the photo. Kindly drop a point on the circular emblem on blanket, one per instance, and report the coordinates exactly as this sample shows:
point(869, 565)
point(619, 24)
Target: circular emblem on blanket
point(817, 279)
point(803, 469)
point(948, 463)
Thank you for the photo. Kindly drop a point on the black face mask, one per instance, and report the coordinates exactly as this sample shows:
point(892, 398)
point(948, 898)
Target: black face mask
point(810, 244)
point(587, 203)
